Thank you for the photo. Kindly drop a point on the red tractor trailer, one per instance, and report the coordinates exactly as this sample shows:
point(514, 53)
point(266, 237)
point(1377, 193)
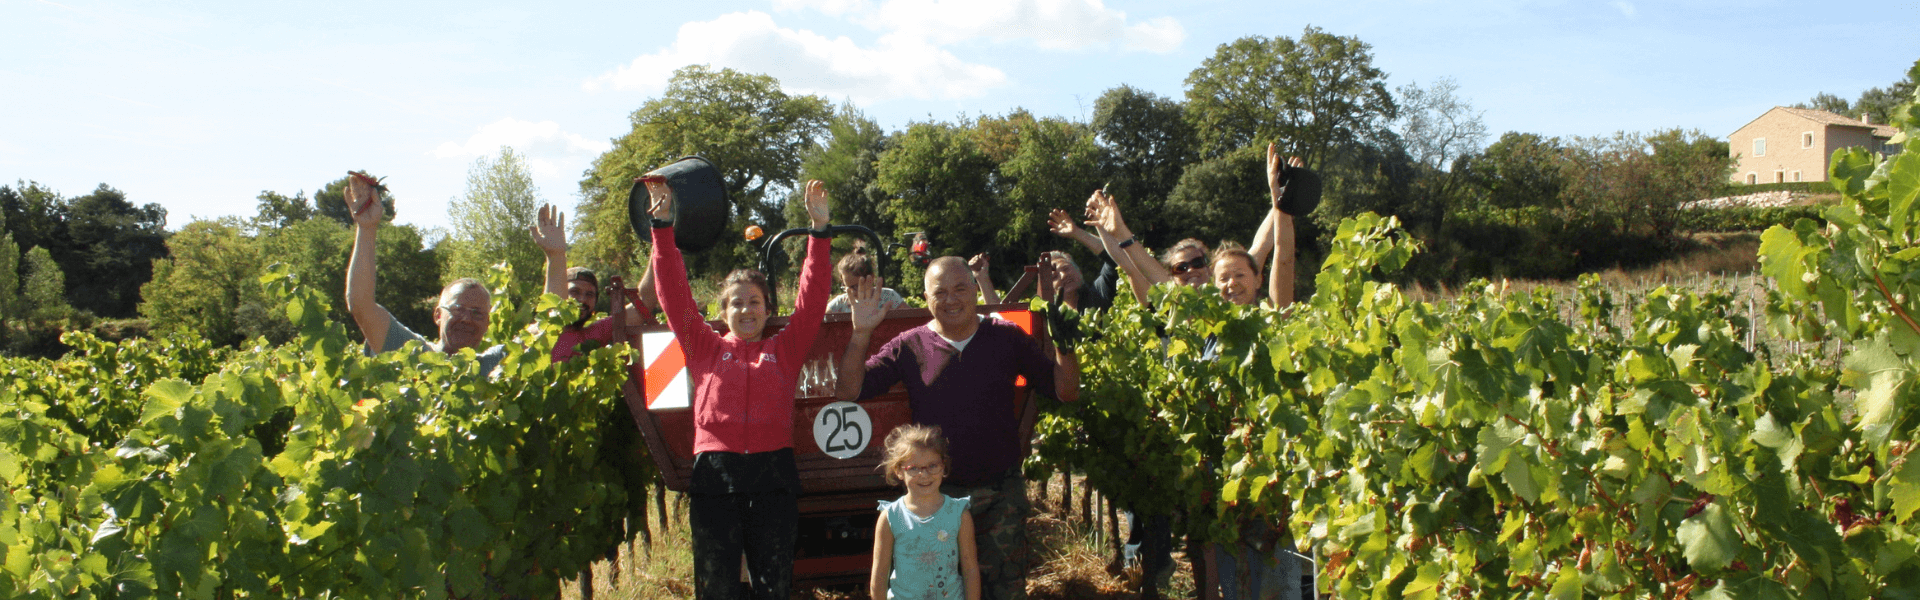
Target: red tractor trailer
point(837, 445)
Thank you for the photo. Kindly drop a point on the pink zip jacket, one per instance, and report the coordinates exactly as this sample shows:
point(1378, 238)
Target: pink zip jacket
point(742, 391)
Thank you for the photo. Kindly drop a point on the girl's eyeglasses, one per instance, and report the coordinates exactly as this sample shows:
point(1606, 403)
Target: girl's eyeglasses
point(927, 470)
point(1183, 268)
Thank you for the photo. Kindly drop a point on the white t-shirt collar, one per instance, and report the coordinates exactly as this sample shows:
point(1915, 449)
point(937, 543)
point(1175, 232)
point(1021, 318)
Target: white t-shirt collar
point(961, 344)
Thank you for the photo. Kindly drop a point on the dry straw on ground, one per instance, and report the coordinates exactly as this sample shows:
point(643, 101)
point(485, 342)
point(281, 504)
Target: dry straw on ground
point(1071, 561)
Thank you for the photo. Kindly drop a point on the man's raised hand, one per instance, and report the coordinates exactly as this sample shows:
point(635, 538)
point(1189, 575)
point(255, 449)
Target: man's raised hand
point(363, 199)
point(550, 231)
point(864, 295)
point(817, 204)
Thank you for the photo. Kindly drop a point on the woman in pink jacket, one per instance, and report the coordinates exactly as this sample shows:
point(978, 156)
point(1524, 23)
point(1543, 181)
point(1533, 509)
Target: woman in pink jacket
point(745, 489)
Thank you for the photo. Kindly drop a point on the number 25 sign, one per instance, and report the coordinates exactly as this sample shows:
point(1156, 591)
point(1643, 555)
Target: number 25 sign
point(842, 429)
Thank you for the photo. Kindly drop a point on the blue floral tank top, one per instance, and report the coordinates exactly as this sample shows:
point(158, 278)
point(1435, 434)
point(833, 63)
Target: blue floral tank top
point(926, 551)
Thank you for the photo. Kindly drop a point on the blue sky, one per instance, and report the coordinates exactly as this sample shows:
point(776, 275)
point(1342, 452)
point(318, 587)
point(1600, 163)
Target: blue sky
point(201, 105)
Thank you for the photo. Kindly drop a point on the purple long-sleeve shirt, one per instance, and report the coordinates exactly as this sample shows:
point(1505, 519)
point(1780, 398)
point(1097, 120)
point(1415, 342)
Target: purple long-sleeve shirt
point(968, 394)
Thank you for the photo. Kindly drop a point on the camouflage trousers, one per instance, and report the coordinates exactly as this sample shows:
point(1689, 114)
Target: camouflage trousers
point(999, 512)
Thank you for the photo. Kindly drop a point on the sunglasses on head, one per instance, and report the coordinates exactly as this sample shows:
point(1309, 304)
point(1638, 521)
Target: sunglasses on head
point(1181, 268)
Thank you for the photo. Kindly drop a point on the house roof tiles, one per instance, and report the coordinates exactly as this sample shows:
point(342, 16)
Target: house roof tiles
point(1827, 118)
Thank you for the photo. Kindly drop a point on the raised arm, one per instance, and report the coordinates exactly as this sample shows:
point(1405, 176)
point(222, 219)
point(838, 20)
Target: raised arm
point(1263, 241)
point(851, 373)
point(1280, 239)
point(550, 233)
point(1105, 218)
point(983, 278)
point(1061, 225)
point(647, 296)
point(677, 306)
point(1107, 281)
point(816, 275)
point(1066, 366)
point(1121, 234)
point(363, 201)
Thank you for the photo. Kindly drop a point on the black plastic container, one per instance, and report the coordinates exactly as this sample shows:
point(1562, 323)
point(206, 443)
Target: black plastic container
point(701, 209)
point(1302, 192)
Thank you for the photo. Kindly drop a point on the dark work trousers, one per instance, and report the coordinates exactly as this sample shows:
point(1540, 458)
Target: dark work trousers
point(760, 524)
point(1150, 542)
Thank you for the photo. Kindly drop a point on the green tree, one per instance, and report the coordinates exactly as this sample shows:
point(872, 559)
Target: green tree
point(1310, 95)
point(113, 244)
point(1518, 170)
point(10, 306)
point(315, 251)
point(1054, 164)
point(35, 215)
point(277, 211)
point(754, 132)
point(1149, 142)
point(213, 270)
point(1828, 102)
point(1629, 187)
point(490, 222)
point(1221, 198)
point(846, 165)
point(1876, 104)
point(42, 292)
point(1376, 175)
point(941, 182)
point(330, 201)
point(1879, 104)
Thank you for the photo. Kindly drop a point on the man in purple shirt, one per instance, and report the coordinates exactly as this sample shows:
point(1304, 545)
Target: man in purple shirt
point(959, 371)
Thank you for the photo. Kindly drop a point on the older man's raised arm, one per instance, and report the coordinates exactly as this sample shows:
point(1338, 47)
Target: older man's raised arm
point(851, 374)
point(363, 202)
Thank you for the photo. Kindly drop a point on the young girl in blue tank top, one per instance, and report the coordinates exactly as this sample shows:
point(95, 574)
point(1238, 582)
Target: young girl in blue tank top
point(923, 544)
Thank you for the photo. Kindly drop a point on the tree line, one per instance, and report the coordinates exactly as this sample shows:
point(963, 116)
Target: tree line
point(1526, 205)
point(1875, 104)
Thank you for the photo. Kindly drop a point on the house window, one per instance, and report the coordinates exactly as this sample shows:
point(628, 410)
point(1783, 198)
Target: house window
point(1806, 140)
point(1796, 176)
point(1759, 146)
point(1779, 176)
point(1753, 178)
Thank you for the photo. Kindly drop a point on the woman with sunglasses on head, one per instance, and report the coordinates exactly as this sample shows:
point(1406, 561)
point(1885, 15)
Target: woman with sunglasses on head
point(1232, 268)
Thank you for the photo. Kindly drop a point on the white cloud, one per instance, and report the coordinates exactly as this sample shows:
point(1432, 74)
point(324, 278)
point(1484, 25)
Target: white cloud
point(1626, 8)
point(808, 62)
point(831, 7)
point(548, 150)
point(1050, 24)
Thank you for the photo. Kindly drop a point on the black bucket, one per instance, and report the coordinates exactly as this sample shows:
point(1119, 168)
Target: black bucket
point(1302, 192)
point(700, 207)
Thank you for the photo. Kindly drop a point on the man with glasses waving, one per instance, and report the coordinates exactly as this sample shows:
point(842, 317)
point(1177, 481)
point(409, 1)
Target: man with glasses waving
point(461, 313)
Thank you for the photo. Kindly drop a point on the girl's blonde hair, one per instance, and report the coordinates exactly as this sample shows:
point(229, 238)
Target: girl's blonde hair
point(906, 439)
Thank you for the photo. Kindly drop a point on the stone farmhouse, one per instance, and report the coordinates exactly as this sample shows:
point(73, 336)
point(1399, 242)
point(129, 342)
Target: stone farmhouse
point(1793, 144)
